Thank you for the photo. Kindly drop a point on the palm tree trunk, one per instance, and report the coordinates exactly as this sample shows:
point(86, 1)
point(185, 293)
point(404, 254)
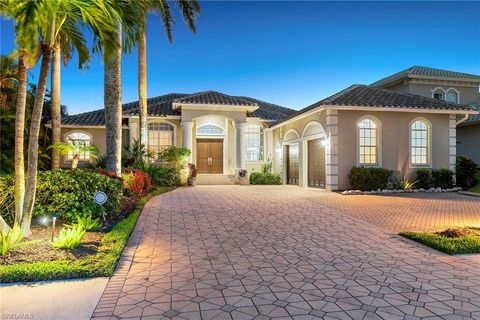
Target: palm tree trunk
point(142, 87)
point(75, 160)
point(56, 106)
point(32, 164)
point(113, 106)
point(19, 189)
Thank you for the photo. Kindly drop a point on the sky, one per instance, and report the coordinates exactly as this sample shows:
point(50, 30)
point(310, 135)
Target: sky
point(289, 53)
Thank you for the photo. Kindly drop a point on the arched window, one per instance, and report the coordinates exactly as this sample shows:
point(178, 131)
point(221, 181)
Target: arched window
point(209, 130)
point(253, 142)
point(160, 137)
point(419, 142)
point(452, 96)
point(367, 142)
point(79, 139)
point(438, 93)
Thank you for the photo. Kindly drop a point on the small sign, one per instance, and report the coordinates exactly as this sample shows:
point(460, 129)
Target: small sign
point(100, 197)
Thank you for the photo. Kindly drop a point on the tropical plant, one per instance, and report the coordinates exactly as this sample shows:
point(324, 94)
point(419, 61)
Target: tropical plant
point(175, 157)
point(188, 10)
point(135, 155)
point(466, 170)
point(87, 223)
point(267, 166)
point(12, 239)
point(69, 237)
point(76, 150)
point(406, 183)
point(265, 178)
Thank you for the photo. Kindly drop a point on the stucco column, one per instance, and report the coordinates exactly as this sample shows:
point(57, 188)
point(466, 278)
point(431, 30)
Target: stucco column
point(332, 151)
point(240, 145)
point(187, 132)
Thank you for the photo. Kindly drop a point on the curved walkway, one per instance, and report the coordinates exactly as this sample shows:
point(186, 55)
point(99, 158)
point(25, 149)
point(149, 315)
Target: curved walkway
point(232, 252)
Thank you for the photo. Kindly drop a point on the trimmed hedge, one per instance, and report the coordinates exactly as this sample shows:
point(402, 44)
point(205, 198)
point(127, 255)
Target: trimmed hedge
point(265, 178)
point(424, 178)
point(367, 179)
point(66, 192)
point(443, 178)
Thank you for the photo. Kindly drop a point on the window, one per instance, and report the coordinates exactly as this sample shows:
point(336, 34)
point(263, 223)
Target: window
point(419, 142)
point(452, 96)
point(79, 139)
point(209, 130)
point(367, 144)
point(160, 137)
point(438, 95)
point(253, 142)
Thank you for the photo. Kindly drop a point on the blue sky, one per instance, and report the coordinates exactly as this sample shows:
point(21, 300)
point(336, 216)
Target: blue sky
point(289, 53)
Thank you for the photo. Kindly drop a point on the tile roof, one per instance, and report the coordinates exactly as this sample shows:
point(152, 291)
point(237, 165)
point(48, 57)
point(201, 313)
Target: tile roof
point(422, 72)
point(366, 96)
point(473, 118)
point(162, 106)
point(213, 97)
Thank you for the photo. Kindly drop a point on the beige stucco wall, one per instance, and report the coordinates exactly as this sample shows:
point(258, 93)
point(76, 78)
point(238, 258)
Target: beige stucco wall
point(394, 139)
point(468, 141)
point(467, 94)
point(97, 135)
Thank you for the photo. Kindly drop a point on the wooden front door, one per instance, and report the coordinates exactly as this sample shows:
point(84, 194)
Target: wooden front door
point(316, 164)
point(210, 155)
point(292, 164)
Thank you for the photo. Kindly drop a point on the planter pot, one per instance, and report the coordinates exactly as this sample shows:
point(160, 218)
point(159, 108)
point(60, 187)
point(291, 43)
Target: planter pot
point(243, 181)
point(192, 181)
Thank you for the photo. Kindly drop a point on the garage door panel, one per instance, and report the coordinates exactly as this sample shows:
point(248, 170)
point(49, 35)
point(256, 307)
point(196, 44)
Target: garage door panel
point(316, 164)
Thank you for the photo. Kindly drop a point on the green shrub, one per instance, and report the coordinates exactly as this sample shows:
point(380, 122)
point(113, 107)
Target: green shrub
point(175, 157)
point(87, 223)
point(367, 179)
point(12, 239)
point(66, 192)
point(265, 178)
point(424, 178)
point(162, 176)
point(442, 178)
point(69, 237)
point(466, 172)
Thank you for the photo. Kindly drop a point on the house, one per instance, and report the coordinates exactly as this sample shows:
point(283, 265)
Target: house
point(388, 124)
point(468, 136)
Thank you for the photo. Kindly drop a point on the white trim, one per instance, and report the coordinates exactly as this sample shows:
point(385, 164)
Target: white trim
point(433, 91)
point(290, 141)
point(321, 135)
point(456, 91)
point(210, 135)
point(429, 144)
point(378, 123)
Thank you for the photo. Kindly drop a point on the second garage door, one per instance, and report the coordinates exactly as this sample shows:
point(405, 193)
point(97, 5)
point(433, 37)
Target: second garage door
point(316, 164)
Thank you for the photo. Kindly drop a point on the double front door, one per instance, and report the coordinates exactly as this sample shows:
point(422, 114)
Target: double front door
point(210, 155)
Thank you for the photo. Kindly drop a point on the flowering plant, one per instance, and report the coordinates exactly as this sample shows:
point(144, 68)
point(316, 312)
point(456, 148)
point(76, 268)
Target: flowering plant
point(192, 170)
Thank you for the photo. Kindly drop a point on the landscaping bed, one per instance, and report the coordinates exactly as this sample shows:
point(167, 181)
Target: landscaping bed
point(96, 256)
point(451, 241)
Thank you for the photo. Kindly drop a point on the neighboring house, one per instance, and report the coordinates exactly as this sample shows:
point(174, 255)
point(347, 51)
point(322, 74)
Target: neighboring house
point(468, 136)
point(313, 147)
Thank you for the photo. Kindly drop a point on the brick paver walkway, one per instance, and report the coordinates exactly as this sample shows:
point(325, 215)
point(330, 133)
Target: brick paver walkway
point(231, 252)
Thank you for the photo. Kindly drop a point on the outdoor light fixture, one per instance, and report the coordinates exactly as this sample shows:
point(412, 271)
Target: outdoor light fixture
point(54, 219)
point(44, 220)
point(325, 142)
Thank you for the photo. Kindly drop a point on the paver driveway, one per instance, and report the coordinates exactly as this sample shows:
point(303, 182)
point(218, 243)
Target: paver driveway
point(223, 252)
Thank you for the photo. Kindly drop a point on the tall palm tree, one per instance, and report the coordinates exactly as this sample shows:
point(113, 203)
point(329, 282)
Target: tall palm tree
point(188, 9)
point(127, 33)
point(59, 21)
point(56, 105)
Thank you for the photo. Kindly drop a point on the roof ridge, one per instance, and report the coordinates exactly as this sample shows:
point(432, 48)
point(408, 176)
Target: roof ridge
point(214, 92)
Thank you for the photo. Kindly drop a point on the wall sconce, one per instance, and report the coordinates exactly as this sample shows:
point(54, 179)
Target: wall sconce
point(325, 142)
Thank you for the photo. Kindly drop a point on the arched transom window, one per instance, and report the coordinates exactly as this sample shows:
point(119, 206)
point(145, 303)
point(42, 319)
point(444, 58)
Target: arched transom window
point(209, 130)
point(160, 137)
point(79, 139)
point(419, 142)
point(452, 96)
point(253, 142)
point(367, 142)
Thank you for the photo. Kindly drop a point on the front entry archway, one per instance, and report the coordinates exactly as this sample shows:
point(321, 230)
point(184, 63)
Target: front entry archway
point(210, 155)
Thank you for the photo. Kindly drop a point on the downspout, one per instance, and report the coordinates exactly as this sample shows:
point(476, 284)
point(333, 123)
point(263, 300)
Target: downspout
point(465, 117)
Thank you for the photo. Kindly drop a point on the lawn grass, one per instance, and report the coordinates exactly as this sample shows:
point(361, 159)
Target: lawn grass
point(475, 189)
point(102, 264)
point(467, 244)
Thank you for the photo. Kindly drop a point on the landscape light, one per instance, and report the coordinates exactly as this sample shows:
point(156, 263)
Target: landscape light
point(44, 220)
point(54, 219)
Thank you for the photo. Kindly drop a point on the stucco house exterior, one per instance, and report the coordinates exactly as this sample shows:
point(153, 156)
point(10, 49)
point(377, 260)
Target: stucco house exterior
point(399, 122)
point(468, 136)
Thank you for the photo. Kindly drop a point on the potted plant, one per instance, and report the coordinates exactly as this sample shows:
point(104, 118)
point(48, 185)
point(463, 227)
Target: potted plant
point(192, 174)
point(243, 177)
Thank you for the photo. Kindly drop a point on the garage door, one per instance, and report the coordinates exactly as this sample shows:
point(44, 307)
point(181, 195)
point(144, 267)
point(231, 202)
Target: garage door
point(316, 164)
point(292, 164)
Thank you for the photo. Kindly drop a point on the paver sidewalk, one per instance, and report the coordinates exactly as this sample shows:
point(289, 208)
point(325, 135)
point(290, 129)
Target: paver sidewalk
point(232, 252)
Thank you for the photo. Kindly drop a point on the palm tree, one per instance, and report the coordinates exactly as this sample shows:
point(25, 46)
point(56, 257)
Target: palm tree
point(56, 106)
point(127, 27)
point(188, 9)
point(51, 21)
point(76, 150)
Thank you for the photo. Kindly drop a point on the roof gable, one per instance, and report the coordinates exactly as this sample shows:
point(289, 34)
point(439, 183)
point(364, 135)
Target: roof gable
point(426, 72)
